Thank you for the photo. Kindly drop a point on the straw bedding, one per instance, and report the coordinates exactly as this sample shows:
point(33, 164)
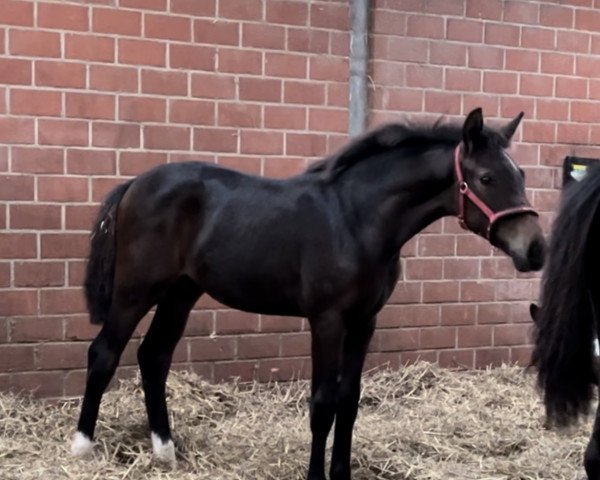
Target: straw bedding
point(420, 423)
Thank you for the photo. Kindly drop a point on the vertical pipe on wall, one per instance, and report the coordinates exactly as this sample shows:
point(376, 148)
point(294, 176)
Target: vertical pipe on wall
point(359, 61)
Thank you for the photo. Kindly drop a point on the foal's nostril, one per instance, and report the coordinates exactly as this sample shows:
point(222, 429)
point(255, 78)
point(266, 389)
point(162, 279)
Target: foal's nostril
point(536, 254)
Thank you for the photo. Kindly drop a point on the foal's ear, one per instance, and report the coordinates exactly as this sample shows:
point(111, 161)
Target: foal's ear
point(533, 311)
point(472, 129)
point(509, 130)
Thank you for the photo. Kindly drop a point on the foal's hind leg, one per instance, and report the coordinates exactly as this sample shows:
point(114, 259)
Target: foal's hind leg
point(356, 345)
point(103, 357)
point(592, 452)
point(327, 340)
point(154, 357)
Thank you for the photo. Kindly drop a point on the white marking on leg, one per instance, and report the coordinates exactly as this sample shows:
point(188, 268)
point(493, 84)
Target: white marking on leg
point(82, 445)
point(596, 348)
point(164, 451)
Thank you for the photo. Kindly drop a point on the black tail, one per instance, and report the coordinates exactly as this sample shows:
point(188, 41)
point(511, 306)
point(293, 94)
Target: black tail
point(565, 321)
point(100, 271)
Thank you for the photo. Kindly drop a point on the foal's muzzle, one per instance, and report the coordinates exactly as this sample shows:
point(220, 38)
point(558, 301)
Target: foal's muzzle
point(521, 238)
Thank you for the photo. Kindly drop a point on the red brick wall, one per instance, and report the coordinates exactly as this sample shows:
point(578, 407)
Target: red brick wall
point(91, 93)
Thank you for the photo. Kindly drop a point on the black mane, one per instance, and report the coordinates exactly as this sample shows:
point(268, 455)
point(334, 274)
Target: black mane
point(395, 135)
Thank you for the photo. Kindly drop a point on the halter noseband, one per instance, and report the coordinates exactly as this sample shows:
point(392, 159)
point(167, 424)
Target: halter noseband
point(465, 191)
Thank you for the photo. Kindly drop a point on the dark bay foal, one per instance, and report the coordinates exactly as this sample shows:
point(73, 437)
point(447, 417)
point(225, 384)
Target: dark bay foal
point(323, 245)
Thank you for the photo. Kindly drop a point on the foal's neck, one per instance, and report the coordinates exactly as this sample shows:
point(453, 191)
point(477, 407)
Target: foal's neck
point(399, 193)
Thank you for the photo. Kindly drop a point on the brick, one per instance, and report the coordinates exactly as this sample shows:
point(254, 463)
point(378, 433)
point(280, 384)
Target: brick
point(500, 82)
point(442, 102)
point(119, 22)
point(569, 87)
point(261, 143)
point(134, 163)
point(240, 61)
point(79, 217)
point(501, 267)
point(283, 167)
point(425, 26)
point(448, 54)
point(194, 112)
point(305, 144)
point(62, 355)
point(160, 5)
point(59, 301)
point(485, 9)
point(327, 120)
point(521, 12)
point(243, 371)
point(217, 32)
point(408, 316)
point(557, 63)
point(34, 43)
point(458, 314)
point(544, 132)
point(587, 20)
point(63, 17)
point(405, 99)
point(538, 38)
point(557, 16)
point(35, 217)
point(461, 268)
point(90, 105)
point(232, 322)
point(496, 313)
point(192, 57)
point(14, 358)
point(284, 65)
point(536, 85)
point(260, 89)
point(246, 164)
point(63, 132)
point(263, 36)
point(113, 78)
point(37, 329)
point(239, 115)
point(438, 337)
point(303, 93)
point(167, 27)
point(215, 139)
point(217, 348)
point(573, 41)
point(308, 40)
point(464, 30)
point(501, 34)
point(485, 57)
point(586, 66)
point(36, 160)
point(511, 334)
point(584, 111)
point(62, 189)
point(476, 291)
point(17, 13)
point(164, 83)
point(59, 74)
point(248, 10)
point(272, 323)
point(287, 12)
point(400, 339)
point(510, 105)
point(78, 327)
point(142, 109)
point(144, 52)
point(65, 245)
point(15, 72)
point(35, 102)
point(38, 384)
point(279, 369)
point(87, 47)
point(166, 137)
point(91, 162)
point(115, 135)
point(524, 61)
point(206, 8)
point(329, 69)
point(407, 49)
point(330, 16)
point(258, 346)
point(456, 358)
point(436, 292)
point(436, 245)
point(424, 76)
point(474, 336)
point(17, 302)
point(572, 133)
point(16, 130)
point(491, 357)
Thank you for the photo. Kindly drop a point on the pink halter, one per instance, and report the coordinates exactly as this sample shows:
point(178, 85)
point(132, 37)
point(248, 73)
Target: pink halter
point(465, 191)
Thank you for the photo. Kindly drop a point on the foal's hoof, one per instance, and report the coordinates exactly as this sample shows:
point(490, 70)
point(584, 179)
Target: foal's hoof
point(163, 451)
point(81, 445)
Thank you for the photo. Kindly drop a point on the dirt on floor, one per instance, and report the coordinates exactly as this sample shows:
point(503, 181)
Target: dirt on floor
point(419, 423)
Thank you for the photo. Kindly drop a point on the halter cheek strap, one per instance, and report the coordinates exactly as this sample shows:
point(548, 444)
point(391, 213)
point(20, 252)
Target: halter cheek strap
point(465, 192)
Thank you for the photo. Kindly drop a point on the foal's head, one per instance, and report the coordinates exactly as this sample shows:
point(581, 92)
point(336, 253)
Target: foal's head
point(492, 200)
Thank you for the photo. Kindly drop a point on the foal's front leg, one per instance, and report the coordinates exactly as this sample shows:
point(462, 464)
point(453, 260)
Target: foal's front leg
point(356, 345)
point(592, 452)
point(327, 341)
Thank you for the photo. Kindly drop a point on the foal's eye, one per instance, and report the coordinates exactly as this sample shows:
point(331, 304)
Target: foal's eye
point(486, 180)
